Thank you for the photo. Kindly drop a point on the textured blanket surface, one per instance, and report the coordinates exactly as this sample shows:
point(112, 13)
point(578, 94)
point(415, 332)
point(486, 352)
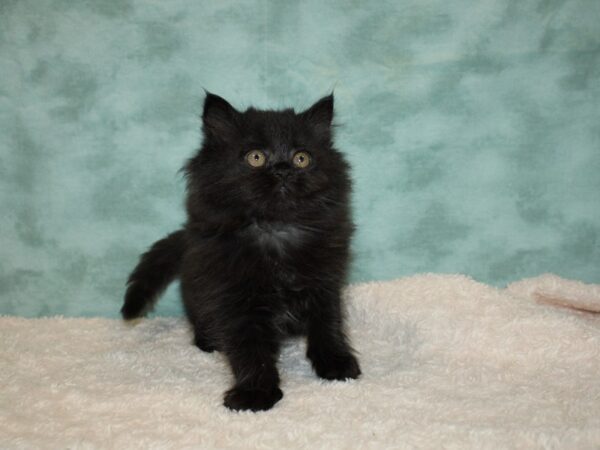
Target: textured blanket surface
point(447, 363)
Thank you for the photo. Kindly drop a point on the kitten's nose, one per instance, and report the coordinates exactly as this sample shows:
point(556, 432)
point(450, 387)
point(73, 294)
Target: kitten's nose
point(281, 170)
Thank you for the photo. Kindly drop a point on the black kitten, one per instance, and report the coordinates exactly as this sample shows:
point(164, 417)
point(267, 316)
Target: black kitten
point(265, 249)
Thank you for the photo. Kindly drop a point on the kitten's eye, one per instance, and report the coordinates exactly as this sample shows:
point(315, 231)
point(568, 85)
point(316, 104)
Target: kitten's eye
point(301, 160)
point(256, 158)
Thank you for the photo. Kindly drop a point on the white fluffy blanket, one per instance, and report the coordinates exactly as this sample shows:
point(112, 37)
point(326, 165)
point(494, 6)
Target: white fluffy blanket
point(448, 363)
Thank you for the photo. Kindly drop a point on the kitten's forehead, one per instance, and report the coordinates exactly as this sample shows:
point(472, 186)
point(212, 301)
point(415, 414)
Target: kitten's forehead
point(274, 126)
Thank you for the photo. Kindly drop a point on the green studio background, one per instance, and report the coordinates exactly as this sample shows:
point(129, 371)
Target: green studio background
point(473, 129)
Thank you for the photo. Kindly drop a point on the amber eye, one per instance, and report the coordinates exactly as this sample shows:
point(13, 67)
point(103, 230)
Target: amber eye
point(301, 160)
point(256, 158)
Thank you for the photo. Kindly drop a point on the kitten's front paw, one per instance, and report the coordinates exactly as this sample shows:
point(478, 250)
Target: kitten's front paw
point(335, 367)
point(240, 399)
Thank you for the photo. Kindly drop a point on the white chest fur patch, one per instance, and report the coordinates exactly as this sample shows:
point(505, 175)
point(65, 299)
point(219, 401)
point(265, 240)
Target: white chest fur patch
point(276, 236)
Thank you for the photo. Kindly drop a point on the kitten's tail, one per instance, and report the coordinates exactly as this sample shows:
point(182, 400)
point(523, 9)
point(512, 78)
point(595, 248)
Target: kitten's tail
point(157, 268)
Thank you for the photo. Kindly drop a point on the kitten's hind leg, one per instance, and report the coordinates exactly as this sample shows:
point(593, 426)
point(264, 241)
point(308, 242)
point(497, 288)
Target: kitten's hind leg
point(328, 349)
point(203, 342)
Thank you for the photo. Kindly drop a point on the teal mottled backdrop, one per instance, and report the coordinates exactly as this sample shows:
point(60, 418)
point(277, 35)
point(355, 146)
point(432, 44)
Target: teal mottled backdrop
point(473, 129)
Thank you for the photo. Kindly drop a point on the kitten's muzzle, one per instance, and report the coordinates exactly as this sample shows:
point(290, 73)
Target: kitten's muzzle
point(282, 171)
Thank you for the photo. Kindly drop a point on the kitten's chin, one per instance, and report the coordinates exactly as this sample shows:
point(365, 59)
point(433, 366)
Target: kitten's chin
point(282, 201)
point(281, 190)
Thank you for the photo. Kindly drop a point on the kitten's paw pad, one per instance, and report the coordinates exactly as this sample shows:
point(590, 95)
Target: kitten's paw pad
point(337, 367)
point(242, 399)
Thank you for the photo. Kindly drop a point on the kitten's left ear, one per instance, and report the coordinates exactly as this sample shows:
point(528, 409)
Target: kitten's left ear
point(320, 114)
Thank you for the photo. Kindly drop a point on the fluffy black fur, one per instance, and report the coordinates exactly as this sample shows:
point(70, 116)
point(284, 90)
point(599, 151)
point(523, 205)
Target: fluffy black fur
point(265, 250)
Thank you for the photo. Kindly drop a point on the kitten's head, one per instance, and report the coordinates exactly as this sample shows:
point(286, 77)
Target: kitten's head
point(268, 164)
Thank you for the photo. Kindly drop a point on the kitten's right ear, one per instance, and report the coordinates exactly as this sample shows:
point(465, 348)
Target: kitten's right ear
point(219, 118)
